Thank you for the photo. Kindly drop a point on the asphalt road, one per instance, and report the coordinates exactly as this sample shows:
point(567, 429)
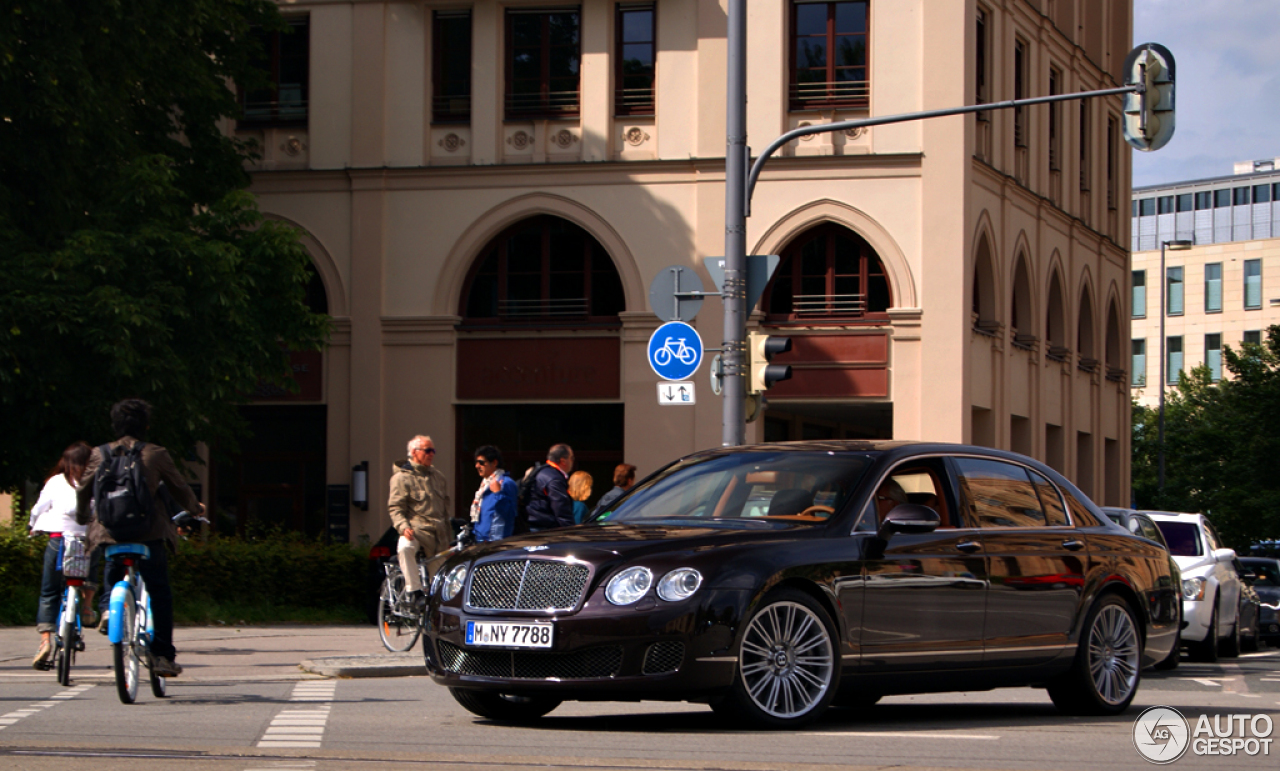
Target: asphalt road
point(244, 704)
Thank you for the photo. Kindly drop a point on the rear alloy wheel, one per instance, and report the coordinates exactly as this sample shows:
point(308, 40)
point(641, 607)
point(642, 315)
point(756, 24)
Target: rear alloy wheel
point(788, 672)
point(504, 707)
point(1207, 649)
point(1108, 664)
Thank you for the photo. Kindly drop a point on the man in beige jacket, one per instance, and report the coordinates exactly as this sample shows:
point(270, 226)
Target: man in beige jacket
point(419, 508)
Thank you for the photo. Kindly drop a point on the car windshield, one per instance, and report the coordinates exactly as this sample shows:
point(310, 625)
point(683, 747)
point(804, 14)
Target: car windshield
point(1267, 572)
point(745, 489)
point(1183, 538)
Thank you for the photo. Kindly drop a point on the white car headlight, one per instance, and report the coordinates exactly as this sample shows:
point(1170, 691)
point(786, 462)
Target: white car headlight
point(1193, 588)
point(629, 585)
point(679, 584)
point(453, 583)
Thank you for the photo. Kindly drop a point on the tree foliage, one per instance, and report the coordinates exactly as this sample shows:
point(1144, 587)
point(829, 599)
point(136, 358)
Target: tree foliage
point(135, 261)
point(1221, 445)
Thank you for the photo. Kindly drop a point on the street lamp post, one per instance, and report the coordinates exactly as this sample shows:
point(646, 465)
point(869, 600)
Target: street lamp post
point(1177, 245)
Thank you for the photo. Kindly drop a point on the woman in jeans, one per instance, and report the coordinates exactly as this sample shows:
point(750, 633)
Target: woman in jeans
point(55, 514)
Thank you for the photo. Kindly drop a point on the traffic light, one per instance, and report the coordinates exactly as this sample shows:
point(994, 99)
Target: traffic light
point(763, 349)
point(1148, 116)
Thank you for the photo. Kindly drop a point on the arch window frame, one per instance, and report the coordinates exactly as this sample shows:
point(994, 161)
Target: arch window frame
point(550, 310)
point(792, 269)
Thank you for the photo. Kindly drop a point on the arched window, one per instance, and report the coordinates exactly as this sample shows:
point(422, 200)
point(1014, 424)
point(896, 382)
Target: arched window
point(1085, 332)
point(829, 273)
point(1020, 314)
point(317, 298)
point(1055, 328)
point(984, 290)
point(543, 270)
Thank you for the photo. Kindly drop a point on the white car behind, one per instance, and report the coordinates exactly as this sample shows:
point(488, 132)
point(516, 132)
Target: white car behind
point(1210, 585)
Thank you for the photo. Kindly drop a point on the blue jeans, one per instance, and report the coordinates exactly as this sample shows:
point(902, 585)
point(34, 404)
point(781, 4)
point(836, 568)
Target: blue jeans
point(50, 588)
point(155, 571)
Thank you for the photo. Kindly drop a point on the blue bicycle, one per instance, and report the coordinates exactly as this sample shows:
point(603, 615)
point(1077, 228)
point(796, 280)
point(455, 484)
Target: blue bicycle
point(68, 639)
point(130, 627)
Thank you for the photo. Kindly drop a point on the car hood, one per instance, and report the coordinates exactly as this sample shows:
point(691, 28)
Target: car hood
point(621, 539)
point(1268, 594)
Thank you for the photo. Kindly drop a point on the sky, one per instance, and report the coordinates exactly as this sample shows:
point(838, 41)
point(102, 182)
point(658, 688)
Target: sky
point(1227, 55)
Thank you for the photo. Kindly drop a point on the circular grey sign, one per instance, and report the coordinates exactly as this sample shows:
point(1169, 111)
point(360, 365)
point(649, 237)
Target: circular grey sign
point(666, 289)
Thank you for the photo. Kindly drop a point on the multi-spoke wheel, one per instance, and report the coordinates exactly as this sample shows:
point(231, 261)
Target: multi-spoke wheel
point(504, 707)
point(398, 626)
point(1108, 664)
point(788, 670)
point(124, 654)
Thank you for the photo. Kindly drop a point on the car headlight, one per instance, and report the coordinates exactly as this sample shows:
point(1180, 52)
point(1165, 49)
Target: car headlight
point(628, 586)
point(1193, 588)
point(679, 584)
point(453, 583)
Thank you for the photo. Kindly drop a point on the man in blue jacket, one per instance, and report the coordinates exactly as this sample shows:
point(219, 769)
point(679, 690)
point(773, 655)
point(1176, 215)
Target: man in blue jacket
point(549, 504)
point(494, 507)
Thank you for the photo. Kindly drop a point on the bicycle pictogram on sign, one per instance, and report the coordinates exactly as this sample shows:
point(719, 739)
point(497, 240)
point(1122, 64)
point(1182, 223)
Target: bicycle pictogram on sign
point(675, 351)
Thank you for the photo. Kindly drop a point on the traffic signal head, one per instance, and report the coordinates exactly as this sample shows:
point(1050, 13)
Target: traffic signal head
point(763, 349)
point(1148, 114)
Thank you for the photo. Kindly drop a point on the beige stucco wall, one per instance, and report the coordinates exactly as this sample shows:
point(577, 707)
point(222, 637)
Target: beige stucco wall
point(396, 209)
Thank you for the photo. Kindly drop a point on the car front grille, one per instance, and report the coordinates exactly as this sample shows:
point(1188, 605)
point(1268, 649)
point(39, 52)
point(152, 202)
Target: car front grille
point(663, 657)
point(585, 664)
point(528, 585)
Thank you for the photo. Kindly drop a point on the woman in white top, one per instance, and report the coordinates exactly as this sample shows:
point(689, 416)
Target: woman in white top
point(55, 514)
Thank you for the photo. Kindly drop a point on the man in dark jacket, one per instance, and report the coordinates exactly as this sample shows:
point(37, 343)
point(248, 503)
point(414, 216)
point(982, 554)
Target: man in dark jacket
point(130, 420)
point(549, 504)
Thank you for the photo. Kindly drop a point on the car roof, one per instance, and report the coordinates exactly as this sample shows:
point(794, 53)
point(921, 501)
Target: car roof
point(1259, 559)
point(1173, 516)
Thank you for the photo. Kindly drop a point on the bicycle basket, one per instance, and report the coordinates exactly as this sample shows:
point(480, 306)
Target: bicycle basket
point(75, 558)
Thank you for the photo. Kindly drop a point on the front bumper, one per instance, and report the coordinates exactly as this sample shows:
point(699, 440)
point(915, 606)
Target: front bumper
point(1196, 615)
point(650, 650)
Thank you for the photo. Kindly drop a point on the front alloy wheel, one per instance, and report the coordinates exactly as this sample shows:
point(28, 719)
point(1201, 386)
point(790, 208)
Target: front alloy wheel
point(787, 668)
point(1104, 678)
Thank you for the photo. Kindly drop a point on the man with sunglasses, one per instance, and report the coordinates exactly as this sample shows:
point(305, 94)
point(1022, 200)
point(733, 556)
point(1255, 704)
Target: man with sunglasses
point(419, 508)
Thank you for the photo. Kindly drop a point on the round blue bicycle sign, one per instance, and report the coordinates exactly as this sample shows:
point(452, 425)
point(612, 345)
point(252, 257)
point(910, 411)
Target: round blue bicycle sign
point(675, 351)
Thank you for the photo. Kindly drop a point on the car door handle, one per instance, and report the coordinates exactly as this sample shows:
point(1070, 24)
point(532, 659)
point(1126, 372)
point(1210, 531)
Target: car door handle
point(1073, 544)
point(969, 547)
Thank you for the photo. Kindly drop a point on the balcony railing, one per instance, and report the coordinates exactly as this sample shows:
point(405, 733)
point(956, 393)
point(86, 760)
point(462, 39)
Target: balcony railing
point(633, 101)
point(528, 309)
point(552, 103)
point(833, 305)
point(840, 93)
point(451, 109)
point(275, 111)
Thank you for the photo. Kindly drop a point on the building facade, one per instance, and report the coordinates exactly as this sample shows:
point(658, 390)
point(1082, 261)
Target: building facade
point(1215, 292)
point(487, 189)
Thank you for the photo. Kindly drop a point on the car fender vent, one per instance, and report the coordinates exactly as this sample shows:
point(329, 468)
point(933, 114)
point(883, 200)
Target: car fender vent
point(663, 657)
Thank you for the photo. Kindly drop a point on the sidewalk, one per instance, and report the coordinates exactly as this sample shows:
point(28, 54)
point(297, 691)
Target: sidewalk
point(236, 653)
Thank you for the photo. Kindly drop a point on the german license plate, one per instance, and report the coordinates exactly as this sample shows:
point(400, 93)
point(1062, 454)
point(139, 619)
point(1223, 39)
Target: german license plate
point(507, 634)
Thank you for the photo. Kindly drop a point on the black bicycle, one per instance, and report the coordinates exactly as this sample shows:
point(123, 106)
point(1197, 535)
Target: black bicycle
point(400, 620)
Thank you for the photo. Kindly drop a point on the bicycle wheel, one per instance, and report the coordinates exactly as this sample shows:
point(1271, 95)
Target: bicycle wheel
point(124, 654)
point(67, 636)
point(159, 688)
point(398, 629)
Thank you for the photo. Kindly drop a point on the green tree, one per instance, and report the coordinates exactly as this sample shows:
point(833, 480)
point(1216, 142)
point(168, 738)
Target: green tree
point(1222, 445)
point(135, 262)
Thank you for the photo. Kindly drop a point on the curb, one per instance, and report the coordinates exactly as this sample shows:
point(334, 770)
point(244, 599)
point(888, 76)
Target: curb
point(394, 665)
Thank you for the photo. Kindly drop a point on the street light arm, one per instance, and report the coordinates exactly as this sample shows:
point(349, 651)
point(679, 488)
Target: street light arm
point(822, 128)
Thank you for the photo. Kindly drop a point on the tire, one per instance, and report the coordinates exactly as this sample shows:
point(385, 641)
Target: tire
point(159, 688)
point(124, 654)
point(1230, 647)
point(788, 669)
point(1207, 649)
point(1250, 644)
point(398, 632)
point(502, 707)
point(66, 649)
point(1107, 669)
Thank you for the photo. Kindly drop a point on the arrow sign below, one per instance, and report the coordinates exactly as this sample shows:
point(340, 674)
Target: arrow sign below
point(675, 393)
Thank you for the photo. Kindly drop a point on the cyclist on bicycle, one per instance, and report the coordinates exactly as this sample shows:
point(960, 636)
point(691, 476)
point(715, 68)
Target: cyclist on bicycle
point(54, 514)
point(419, 509)
point(130, 420)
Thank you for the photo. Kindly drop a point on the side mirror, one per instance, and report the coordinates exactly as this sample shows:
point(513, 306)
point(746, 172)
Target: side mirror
point(909, 518)
point(1224, 555)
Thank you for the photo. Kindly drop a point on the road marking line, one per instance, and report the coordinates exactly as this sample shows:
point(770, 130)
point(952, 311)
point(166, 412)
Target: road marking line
point(301, 727)
point(10, 718)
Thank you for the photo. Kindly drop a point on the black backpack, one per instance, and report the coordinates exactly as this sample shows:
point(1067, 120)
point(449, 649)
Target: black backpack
point(524, 494)
point(122, 499)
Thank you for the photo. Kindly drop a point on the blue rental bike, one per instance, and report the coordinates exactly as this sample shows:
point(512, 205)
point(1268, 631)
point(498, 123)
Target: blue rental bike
point(129, 627)
point(68, 638)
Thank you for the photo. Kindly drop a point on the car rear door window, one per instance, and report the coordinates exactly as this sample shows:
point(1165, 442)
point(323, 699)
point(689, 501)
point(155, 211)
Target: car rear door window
point(999, 494)
point(1050, 499)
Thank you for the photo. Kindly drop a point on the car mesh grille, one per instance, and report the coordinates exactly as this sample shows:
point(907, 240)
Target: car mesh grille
point(663, 657)
point(528, 585)
point(577, 665)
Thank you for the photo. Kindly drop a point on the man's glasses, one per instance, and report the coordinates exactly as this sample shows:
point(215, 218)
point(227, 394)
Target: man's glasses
point(481, 462)
point(429, 450)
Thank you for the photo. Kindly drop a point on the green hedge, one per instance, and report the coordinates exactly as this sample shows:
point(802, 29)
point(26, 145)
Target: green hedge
point(281, 577)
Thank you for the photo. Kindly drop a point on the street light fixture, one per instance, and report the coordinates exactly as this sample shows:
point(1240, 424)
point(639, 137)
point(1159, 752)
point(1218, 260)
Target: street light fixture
point(1175, 245)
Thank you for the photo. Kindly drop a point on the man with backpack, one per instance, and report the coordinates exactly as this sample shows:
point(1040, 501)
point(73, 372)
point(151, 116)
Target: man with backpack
point(549, 504)
point(120, 499)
